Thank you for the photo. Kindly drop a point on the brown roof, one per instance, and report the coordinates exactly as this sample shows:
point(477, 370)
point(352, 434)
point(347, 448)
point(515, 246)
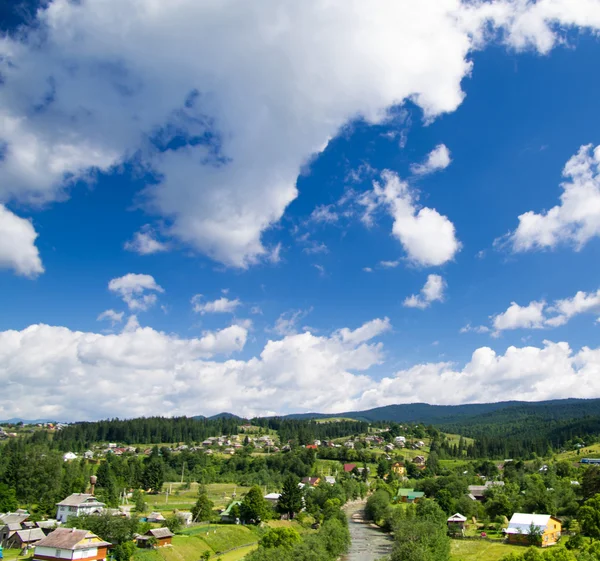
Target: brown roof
point(77, 499)
point(68, 538)
point(33, 535)
point(160, 533)
point(13, 518)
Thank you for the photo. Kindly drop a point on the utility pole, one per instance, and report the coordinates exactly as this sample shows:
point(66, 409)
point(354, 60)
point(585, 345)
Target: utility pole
point(182, 470)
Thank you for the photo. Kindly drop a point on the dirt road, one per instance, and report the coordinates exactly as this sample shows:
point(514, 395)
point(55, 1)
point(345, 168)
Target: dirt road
point(369, 543)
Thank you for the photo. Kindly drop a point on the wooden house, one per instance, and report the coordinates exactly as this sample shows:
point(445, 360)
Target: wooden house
point(520, 525)
point(162, 537)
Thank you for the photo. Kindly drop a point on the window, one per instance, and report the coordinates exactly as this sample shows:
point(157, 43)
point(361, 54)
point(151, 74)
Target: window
point(57, 553)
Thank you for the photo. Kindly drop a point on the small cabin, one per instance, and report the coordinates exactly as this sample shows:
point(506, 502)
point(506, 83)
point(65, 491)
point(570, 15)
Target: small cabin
point(163, 537)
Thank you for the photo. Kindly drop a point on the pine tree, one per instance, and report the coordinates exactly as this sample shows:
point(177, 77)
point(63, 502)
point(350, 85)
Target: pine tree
point(290, 501)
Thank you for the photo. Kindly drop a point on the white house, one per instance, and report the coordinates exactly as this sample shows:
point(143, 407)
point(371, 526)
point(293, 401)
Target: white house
point(69, 456)
point(76, 505)
point(70, 543)
point(272, 498)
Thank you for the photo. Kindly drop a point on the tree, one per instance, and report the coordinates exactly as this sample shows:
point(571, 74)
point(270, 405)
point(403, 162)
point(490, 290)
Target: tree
point(174, 523)
point(280, 537)
point(203, 509)
point(377, 504)
point(254, 507)
point(8, 498)
point(153, 476)
point(139, 502)
point(589, 517)
point(290, 501)
point(124, 551)
point(113, 529)
point(534, 534)
point(205, 556)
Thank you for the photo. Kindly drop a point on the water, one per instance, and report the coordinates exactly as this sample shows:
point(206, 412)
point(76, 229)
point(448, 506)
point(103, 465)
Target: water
point(369, 543)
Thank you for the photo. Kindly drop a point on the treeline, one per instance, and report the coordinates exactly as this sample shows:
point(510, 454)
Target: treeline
point(162, 430)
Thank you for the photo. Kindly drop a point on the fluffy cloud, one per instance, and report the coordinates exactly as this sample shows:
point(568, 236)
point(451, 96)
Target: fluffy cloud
point(145, 243)
point(52, 370)
point(287, 322)
point(538, 315)
point(137, 291)
point(520, 317)
point(324, 213)
point(222, 305)
point(437, 159)
point(575, 220)
point(433, 291)
point(104, 88)
point(428, 237)
point(112, 316)
point(17, 245)
point(475, 329)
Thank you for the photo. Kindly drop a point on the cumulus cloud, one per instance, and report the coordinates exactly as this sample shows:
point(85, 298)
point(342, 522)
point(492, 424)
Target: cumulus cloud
point(428, 237)
point(538, 314)
point(144, 242)
point(51, 370)
point(221, 305)
point(433, 291)
point(17, 245)
point(178, 376)
point(437, 159)
point(93, 83)
point(287, 322)
point(575, 220)
point(137, 291)
point(112, 316)
point(475, 329)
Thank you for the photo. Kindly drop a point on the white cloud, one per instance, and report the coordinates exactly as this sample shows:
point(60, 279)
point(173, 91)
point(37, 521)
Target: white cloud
point(287, 322)
point(437, 159)
point(475, 329)
point(520, 317)
point(567, 308)
point(315, 247)
point(112, 316)
point(221, 305)
point(324, 213)
point(389, 264)
point(145, 243)
point(428, 237)
point(256, 310)
point(433, 291)
point(133, 289)
point(106, 82)
point(52, 370)
point(575, 220)
point(367, 269)
point(17, 245)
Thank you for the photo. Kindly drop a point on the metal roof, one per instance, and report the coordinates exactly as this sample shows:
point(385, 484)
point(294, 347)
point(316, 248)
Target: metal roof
point(520, 522)
point(77, 499)
point(70, 538)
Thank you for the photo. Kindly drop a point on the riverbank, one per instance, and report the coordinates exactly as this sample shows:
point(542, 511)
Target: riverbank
point(369, 543)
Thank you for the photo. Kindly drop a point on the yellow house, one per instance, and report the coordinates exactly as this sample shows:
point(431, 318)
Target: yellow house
point(547, 527)
point(399, 468)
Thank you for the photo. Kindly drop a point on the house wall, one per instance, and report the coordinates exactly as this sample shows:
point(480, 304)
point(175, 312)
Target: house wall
point(164, 541)
point(51, 554)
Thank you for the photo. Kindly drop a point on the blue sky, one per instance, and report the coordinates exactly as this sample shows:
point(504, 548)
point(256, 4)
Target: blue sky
point(248, 214)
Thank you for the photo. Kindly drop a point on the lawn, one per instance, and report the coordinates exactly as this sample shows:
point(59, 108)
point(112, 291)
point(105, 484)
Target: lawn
point(224, 537)
point(184, 499)
point(13, 554)
point(476, 550)
point(237, 554)
point(185, 548)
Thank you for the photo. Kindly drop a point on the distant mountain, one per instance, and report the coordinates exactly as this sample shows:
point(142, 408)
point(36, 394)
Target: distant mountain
point(224, 415)
point(475, 413)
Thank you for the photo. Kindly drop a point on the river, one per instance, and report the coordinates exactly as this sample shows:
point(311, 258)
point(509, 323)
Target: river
point(369, 543)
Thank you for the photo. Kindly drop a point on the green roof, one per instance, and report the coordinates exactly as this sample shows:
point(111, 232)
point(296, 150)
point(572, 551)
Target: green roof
point(227, 511)
point(405, 492)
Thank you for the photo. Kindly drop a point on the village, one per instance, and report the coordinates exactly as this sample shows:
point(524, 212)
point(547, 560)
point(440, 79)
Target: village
point(401, 470)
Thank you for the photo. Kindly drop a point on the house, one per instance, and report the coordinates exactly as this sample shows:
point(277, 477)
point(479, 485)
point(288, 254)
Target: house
point(409, 496)
point(311, 446)
point(477, 492)
point(69, 456)
point(47, 526)
point(78, 504)
point(398, 468)
point(520, 525)
point(349, 467)
point(25, 538)
point(155, 517)
point(272, 498)
point(330, 479)
point(419, 460)
point(186, 517)
point(70, 543)
point(10, 523)
point(227, 515)
point(162, 537)
point(400, 439)
point(311, 481)
point(349, 444)
point(457, 520)
point(388, 447)
point(89, 455)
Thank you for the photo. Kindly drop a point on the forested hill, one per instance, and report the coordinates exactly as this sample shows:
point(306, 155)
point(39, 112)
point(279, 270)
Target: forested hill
point(472, 413)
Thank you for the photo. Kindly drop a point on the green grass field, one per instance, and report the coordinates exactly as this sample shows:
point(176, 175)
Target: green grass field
point(478, 550)
point(184, 499)
point(237, 554)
